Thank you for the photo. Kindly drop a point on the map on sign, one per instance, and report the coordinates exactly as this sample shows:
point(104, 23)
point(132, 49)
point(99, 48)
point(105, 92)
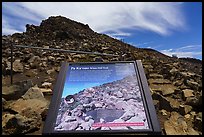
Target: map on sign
point(101, 96)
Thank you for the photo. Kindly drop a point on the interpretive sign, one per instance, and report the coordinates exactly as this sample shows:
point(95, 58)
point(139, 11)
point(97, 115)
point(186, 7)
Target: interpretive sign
point(100, 97)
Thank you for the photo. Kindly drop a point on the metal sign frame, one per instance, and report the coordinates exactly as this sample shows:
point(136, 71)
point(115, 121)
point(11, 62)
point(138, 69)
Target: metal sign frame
point(146, 97)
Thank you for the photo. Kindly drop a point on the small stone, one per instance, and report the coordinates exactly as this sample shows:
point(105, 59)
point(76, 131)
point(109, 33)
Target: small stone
point(31, 73)
point(164, 112)
point(98, 59)
point(119, 94)
point(193, 113)
point(46, 85)
point(46, 91)
point(187, 116)
point(46, 47)
point(187, 93)
point(34, 59)
point(50, 71)
point(155, 76)
point(17, 66)
point(98, 105)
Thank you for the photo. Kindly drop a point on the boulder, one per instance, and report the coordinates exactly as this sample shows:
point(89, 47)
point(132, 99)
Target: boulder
point(194, 101)
point(17, 66)
point(14, 92)
point(11, 92)
point(184, 109)
point(173, 103)
point(198, 122)
point(163, 86)
point(187, 93)
point(166, 103)
point(192, 84)
point(177, 126)
point(26, 121)
point(34, 61)
point(34, 93)
point(36, 105)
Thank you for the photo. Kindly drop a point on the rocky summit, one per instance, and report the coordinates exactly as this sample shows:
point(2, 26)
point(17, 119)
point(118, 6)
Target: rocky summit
point(175, 83)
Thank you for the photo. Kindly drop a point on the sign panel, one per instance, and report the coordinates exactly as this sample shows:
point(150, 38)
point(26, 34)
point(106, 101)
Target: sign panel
point(99, 98)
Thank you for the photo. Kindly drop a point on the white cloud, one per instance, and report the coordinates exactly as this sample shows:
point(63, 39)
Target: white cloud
point(120, 34)
point(7, 29)
point(186, 51)
point(161, 18)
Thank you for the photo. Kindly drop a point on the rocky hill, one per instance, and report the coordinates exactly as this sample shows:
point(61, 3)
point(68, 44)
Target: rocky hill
point(176, 84)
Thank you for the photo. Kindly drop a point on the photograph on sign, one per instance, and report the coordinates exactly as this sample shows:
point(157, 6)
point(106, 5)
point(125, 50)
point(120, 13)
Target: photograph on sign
point(104, 96)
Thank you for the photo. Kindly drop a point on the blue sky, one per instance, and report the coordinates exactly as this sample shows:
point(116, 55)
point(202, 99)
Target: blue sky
point(169, 27)
point(77, 80)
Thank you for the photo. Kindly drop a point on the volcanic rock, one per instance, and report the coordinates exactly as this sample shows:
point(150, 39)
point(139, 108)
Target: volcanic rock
point(26, 121)
point(16, 91)
point(166, 103)
point(10, 92)
point(17, 66)
point(198, 122)
point(50, 71)
point(194, 85)
point(33, 93)
point(31, 72)
point(46, 85)
point(184, 109)
point(155, 76)
point(162, 85)
point(187, 93)
point(194, 101)
point(177, 126)
point(34, 61)
point(35, 104)
point(46, 91)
